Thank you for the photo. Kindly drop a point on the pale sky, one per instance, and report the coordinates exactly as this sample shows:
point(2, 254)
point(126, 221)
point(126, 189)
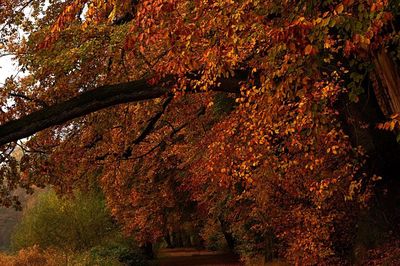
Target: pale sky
point(7, 68)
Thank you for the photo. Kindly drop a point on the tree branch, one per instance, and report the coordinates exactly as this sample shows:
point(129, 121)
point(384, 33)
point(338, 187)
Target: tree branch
point(152, 122)
point(92, 101)
point(149, 127)
point(22, 96)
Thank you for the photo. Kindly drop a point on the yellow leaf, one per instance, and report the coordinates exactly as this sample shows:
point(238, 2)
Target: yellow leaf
point(392, 125)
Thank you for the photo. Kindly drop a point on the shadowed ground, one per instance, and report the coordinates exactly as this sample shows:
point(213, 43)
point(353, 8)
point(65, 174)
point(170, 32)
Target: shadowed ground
point(189, 257)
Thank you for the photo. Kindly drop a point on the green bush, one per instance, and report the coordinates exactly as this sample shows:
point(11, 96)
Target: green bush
point(122, 252)
point(77, 223)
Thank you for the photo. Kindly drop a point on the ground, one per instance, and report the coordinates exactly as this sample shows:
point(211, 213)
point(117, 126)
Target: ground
point(193, 257)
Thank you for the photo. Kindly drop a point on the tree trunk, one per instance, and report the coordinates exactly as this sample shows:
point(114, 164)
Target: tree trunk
point(167, 239)
point(379, 102)
point(147, 250)
point(230, 240)
point(177, 239)
point(387, 90)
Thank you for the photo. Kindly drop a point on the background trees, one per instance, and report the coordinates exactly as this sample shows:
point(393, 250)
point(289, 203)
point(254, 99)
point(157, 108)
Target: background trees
point(72, 224)
point(74, 230)
point(285, 168)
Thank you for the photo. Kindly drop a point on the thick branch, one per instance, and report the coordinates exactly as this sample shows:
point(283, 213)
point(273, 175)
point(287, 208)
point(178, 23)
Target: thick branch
point(89, 102)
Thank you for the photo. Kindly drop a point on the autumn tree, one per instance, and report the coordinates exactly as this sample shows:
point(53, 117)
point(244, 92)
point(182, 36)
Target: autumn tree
point(124, 92)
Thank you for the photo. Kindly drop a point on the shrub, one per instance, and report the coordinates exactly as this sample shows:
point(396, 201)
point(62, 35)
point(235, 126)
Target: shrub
point(121, 252)
point(34, 256)
point(76, 223)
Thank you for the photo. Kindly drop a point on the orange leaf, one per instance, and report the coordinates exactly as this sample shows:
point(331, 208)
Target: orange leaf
point(308, 49)
point(339, 8)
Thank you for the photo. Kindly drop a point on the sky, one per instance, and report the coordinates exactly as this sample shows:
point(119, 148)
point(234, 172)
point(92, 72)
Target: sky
point(7, 68)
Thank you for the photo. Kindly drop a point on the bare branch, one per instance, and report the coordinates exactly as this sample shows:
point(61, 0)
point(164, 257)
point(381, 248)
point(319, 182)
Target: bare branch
point(22, 96)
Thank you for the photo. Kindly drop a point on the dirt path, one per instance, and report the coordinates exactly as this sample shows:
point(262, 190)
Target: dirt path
point(189, 257)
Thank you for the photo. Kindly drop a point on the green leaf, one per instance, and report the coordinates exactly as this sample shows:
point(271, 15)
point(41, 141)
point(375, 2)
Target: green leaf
point(398, 138)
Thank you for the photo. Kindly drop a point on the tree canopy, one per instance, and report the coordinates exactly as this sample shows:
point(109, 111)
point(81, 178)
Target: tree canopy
point(232, 110)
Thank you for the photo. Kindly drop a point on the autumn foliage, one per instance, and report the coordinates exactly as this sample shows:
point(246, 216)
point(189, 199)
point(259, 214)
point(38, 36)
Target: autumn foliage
point(273, 163)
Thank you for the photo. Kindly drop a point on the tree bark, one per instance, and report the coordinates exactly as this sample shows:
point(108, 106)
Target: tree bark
point(388, 90)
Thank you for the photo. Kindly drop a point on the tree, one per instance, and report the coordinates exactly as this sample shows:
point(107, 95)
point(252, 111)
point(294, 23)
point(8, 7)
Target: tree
point(280, 165)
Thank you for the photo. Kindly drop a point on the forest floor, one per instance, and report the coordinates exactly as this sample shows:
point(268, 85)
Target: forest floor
point(189, 257)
